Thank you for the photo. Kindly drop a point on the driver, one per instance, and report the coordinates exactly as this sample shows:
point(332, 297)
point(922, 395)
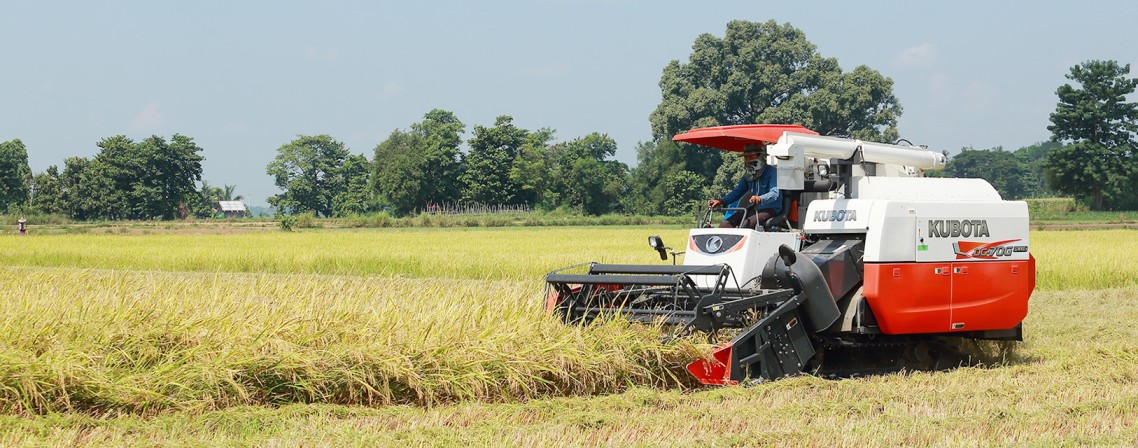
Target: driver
point(759, 180)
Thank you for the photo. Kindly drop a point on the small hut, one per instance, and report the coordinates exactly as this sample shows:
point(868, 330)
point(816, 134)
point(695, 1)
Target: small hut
point(232, 209)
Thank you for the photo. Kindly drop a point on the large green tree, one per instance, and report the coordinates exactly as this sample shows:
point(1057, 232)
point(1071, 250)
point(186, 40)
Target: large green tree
point(151, 179)
point(413, 168)
point(400, 172)
point(683, 192)
point(1032, 159)
point(88, 191)
point(1097, 165)
point(1000, 168)
point(311, 171)
point(582, 178)
point(486, 175)
point(656, 161)
point(530, 170)
point(760, 73)
point(599, 185)
point(47, 192)
point(356, 196)
point(15, 175)
point(165, 185)
point(441, 134)
point(113, 175)
point(770, 73)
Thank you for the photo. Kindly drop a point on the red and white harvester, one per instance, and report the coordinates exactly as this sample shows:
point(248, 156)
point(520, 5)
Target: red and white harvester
point(870, 262)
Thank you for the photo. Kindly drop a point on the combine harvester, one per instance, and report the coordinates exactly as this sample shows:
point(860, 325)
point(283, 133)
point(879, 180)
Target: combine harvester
point(869, 262)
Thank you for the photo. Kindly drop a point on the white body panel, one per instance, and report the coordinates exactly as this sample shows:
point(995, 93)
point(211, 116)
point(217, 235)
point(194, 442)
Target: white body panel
point(889, 237)
point(925, 189)
point(972, 232)
point(837, 216)
point(792, 151)
point(791, 144)
point(927, 220)
point(745, 250)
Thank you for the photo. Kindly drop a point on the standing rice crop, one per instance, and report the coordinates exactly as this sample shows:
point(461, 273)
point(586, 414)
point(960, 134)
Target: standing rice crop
point(144, 324)
point(145, 342)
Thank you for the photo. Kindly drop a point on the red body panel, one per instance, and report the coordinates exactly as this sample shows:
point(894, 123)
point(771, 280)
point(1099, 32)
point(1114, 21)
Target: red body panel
point(734, 138)
point(942, 297)
point(909, 297)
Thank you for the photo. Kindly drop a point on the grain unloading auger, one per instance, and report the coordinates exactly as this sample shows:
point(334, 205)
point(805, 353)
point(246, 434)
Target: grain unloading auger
point(869, 261)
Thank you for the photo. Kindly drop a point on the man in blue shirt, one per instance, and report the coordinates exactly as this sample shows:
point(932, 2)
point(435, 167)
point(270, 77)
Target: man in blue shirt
point(760, 181)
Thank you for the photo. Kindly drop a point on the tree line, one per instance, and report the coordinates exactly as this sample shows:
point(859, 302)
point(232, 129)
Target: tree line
point(153, 178)
point(755, 73)
point(414, 168)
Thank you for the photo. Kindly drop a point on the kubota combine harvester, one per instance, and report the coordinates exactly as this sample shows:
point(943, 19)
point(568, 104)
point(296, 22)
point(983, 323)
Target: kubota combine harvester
point(868, 261)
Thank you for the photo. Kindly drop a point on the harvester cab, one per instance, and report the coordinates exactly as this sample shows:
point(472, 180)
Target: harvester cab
point(868, 257)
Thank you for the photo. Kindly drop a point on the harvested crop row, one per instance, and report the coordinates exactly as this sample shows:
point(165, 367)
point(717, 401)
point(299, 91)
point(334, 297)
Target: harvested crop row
point(109, 342)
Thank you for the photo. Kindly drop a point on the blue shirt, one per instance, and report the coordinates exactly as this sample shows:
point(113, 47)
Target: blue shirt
point(766, 188)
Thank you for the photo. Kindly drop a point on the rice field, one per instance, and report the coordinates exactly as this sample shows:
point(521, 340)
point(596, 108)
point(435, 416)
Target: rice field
point(147, 343)
point(1067, 259)
point(436, 337)
point(508, 253)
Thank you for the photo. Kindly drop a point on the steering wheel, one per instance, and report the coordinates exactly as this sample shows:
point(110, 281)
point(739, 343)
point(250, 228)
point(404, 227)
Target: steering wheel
point(705, 220)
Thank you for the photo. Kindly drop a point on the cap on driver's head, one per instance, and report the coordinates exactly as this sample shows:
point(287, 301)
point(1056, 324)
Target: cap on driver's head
point(750, 150)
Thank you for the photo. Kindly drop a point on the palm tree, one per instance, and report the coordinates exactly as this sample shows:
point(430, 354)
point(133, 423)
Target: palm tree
point(227, 194)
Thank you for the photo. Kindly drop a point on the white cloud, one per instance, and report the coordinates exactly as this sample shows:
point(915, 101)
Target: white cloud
point(311, 53)
point(980, 95)
point(392, 89)
point(920, 56)
point(976, 96)
point(148, 120)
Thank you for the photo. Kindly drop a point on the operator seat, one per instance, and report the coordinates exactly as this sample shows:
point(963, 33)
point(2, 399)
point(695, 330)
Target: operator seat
point(782, 221)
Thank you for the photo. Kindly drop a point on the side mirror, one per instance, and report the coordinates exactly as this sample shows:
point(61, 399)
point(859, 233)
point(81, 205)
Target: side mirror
point(656, 243)
point(787, 255)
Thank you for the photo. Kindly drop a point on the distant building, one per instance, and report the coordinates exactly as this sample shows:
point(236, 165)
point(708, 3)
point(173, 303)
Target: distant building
point(233, 209)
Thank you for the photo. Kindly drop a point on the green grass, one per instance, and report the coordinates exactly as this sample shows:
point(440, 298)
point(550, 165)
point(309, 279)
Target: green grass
point(1051, 205)
point(1085, 218)
point(436, 337)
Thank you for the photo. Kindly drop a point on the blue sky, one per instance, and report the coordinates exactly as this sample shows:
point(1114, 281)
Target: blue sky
point(243, 78)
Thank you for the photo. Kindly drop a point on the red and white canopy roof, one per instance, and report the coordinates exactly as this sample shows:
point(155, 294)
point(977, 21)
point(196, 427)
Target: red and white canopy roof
point(733, 138)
